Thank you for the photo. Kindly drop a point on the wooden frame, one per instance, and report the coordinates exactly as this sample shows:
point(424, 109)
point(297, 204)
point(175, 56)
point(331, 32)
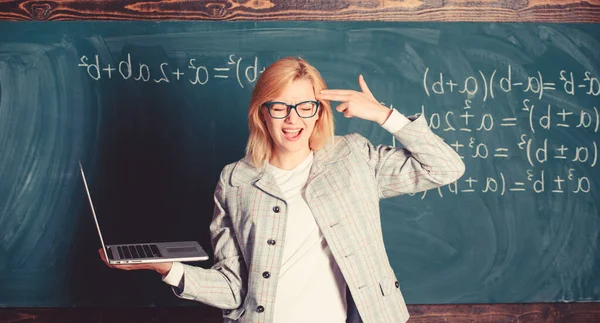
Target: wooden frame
point(381, 10)
point(473, 313)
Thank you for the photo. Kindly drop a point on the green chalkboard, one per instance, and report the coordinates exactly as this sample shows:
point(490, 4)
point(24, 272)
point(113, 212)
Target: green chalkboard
point(155, 110)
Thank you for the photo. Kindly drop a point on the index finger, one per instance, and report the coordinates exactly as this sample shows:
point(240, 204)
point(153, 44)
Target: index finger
point(335, 95)
point(337, 91)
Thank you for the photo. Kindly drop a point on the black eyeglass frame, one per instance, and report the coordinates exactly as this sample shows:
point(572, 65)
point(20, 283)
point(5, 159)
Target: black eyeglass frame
point(291, 107)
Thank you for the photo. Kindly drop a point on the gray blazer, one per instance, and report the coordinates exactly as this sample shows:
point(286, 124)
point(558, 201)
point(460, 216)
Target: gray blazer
point(346, 182)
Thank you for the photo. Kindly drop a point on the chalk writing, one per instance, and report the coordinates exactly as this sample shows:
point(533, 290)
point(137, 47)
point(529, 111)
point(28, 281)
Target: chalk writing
point(533, 122)
point(530, 125)
point(439, 84)
point(198, 73)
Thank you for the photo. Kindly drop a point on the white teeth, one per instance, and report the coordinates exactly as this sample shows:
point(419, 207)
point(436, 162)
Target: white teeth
point(291, 131)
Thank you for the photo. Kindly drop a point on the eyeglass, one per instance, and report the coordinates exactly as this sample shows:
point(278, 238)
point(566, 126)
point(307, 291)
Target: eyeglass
point(281, 110)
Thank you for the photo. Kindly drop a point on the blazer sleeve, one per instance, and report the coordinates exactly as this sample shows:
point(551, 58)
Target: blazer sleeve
point(223, 285)
point(425, 162)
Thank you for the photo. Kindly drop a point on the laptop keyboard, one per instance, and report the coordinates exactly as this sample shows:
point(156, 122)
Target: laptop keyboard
point(139, 251)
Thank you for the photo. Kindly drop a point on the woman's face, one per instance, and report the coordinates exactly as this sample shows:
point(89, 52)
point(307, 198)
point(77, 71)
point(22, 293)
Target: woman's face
point(290, 135)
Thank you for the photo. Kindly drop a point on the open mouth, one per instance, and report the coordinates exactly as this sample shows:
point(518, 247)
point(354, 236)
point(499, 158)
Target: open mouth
point(292, 134)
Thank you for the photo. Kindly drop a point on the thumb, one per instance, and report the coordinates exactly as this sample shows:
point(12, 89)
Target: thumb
point(363, 86)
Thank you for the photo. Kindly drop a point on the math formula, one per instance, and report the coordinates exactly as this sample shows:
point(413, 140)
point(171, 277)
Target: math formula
point(541, 134)
point(493, 83)
point(196, 72)
point(534, 136)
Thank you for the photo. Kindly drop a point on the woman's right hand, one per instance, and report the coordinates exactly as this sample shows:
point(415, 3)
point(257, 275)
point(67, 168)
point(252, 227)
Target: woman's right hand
point(162, 268)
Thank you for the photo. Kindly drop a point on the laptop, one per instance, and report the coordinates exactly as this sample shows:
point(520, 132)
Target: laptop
point(183, 251)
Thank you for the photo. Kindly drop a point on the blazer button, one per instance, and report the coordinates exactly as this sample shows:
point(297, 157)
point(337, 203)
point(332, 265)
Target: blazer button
point(397, 285)
point(227, 312)
point(271, 242)
point(260, 309)
point(266, 274)
point(276, 209)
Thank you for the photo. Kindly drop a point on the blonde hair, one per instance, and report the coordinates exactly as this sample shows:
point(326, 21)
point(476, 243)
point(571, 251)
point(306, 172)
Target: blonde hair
point(269, 85)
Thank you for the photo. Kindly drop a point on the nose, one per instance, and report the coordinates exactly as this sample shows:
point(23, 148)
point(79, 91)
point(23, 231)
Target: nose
point(292, 117)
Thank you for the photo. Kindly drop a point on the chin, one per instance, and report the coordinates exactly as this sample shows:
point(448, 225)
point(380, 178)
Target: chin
point(295, 146)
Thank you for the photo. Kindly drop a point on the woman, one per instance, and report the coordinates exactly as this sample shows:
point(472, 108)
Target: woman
point(296, 229)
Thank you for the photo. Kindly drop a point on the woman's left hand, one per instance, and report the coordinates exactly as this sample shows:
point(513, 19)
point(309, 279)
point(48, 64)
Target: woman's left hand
point(358, 104)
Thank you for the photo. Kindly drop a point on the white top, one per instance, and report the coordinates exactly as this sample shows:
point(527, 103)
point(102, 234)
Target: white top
point(309, 277)
point(311, 287)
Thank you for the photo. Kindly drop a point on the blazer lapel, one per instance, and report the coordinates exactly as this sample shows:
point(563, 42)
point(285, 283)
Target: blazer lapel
point(329, 155)
point(246, 173)
point(268, 185)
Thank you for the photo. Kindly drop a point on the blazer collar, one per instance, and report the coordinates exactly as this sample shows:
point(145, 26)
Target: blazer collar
point(245, 172)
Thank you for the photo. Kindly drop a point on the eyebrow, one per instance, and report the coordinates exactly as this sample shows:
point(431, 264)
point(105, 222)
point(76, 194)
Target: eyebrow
point(284, 101)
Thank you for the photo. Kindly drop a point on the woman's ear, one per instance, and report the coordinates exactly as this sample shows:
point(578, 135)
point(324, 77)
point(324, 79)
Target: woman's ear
point(262, 118)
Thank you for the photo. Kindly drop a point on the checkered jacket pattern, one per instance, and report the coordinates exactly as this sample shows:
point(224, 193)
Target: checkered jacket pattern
point(346, 182)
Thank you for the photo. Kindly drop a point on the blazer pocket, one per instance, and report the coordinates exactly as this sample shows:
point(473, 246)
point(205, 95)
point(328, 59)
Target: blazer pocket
point(234, 314)
point(389, 285)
